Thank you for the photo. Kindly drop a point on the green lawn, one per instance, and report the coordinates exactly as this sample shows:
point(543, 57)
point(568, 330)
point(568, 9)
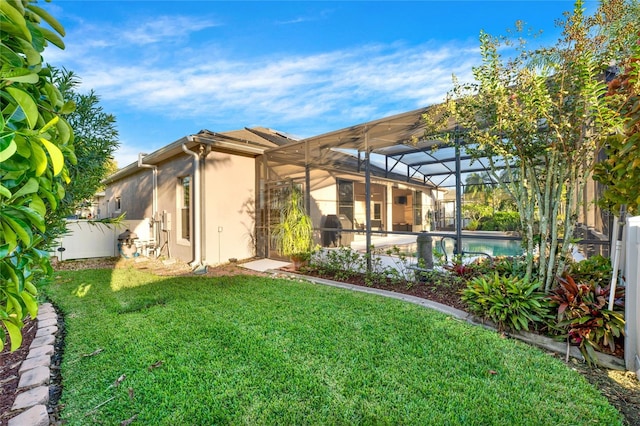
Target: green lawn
point(247, 350)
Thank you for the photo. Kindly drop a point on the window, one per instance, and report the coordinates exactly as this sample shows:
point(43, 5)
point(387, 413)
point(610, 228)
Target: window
point(345, 198)
point(117, 202)
point(184, 198)
point(377, 211)
point(417, 208)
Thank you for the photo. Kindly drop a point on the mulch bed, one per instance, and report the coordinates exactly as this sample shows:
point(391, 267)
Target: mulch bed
point(9, 365)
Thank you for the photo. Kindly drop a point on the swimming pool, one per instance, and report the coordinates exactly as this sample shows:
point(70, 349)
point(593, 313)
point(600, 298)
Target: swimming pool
point(489, 246)
point(492, 247)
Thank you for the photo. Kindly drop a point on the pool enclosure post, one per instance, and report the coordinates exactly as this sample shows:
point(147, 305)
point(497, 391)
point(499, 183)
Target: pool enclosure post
point(367, 196)
point(458, 245)
point(307, 179)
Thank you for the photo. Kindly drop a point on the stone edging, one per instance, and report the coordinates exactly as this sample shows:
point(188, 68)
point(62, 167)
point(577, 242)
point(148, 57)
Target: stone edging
point(32, 394)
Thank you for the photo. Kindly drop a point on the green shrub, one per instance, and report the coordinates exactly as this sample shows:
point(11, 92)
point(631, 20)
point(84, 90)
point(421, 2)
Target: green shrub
point(473, 225)
point(583, 315)
point(469, 270)
point(511, 303)
point(596, 269)
point(344, 264)
point(513, 266)
point(500, 221)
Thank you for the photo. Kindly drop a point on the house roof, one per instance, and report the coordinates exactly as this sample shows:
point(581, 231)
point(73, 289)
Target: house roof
point(399, 148)
point(251, 142)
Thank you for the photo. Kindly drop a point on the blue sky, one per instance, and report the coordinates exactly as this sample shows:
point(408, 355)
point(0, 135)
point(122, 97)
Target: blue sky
point(167, 69)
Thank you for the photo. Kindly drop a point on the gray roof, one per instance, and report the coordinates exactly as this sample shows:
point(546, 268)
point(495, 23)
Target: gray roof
point(241, 142)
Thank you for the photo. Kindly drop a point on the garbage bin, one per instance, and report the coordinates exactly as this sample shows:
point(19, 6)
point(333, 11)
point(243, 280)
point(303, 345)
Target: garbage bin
point(331, 232)
point(347, 237)
point(126, 244)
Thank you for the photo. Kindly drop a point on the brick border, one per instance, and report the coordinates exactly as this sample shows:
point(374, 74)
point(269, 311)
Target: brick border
point(32, 394)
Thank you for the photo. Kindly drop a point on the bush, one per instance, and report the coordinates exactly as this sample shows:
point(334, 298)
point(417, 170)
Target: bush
point(596, 270)
point(512, 266)
point(344, 264)
point(469, 270)
point(500, 221)
point(583, 315)
point(511, 303)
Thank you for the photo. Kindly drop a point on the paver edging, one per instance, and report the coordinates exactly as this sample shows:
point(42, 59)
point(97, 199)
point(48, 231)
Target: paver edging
point(31, 398)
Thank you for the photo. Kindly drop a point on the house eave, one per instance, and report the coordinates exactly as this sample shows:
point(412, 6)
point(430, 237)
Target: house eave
point(217, 141)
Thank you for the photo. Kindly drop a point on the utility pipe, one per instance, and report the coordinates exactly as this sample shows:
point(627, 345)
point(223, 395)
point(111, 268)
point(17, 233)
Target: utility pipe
point(197, 249)
point(154, 207)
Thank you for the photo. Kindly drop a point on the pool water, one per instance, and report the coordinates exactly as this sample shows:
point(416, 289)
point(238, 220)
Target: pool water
point(488, 246)
point(491, 247)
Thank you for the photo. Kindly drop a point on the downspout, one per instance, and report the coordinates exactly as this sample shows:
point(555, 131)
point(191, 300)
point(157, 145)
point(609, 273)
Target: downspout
point(154, 207)
point(197, 225)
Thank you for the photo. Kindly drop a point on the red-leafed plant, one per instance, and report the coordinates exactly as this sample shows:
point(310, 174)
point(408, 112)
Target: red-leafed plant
point(584, 318)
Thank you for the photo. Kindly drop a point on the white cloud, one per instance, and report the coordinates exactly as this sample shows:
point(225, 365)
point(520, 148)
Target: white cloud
point(170, 76)
point(329, 79)
point(126, 154)
point(165, 29)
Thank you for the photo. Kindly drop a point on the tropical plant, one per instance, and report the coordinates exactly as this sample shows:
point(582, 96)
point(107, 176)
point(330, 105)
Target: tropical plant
point(293, 235)
point(583, 317)
point(596, 270)
point(35, 142)
point(619, 171)
point(511, 303)
point(468, 270)
point(533, 114)
point(513, 266)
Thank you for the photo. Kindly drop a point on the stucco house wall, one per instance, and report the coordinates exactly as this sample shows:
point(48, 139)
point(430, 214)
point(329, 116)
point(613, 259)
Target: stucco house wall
point(169, 174)
point(229, 206)
point(124, 197)
point(224, 185)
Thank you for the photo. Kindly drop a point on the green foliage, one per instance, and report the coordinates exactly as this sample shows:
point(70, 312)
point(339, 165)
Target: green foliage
point(345, 264)
point(619, 171)
point(500, 221)
point(95, 141)
point(531, 115)
point(511, 266)
point(510, 302)
point(596, 270)
point(485, 218)
point(468, 270)
point(583, 317)
point(36, 143)
point(293, 235)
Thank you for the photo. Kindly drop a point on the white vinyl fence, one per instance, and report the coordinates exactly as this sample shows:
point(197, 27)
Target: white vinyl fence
point(87, 240)
point(632, 299)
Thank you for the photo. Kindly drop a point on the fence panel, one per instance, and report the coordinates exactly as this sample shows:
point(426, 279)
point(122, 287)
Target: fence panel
point(88, 240)
point(632, 299)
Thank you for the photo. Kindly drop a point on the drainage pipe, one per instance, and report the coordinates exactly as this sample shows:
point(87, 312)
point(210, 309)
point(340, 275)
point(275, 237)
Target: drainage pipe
point(197, 238)
point(154, 208)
